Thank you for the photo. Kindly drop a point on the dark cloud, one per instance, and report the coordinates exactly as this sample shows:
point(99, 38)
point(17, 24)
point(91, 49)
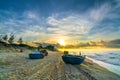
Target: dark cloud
point(116, 41)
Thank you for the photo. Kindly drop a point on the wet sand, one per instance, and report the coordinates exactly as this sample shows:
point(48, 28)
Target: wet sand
point(17, 66)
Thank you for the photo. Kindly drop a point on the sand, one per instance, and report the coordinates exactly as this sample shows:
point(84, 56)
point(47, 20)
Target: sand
point(17, 66)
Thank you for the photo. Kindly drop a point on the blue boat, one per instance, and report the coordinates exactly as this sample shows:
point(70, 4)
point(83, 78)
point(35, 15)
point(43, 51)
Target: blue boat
point(36, 55)
point(73, 59)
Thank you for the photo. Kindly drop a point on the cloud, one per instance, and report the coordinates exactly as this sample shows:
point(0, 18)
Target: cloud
point(77, 24)
point(116, 41)
point(32, 24)
point(113, 43)
point(31, 15)
point(70, 25)
point(32, 35)
point(98, 14)
point(29, 25)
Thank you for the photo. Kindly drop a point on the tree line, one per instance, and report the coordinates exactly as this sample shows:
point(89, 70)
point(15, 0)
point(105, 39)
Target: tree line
point(10, 39)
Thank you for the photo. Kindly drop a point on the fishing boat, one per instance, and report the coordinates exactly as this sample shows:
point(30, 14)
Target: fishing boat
point(36, 55)
point(44, 52)
point(73, 59)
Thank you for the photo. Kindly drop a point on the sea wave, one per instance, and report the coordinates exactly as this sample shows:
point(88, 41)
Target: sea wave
point(111, 58)
point(110, 67)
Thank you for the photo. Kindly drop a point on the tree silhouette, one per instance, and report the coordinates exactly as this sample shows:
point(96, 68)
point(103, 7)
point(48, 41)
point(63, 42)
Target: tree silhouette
point(20, 41)
point(5, 37)
point(0, 37)
point(11, 38)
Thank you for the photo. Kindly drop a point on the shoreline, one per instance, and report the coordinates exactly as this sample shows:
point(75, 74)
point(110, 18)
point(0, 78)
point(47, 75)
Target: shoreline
point(107, 66)
point(98, 71)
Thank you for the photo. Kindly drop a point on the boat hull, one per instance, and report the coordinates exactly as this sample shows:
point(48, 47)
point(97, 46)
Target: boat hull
point(68, 59)
point(36, 56)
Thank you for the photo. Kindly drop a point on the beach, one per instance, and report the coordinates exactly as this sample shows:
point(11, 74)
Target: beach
point(18, 66)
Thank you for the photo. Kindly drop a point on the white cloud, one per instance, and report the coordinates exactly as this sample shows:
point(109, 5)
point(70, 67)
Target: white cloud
point(31, 14)
point(34, 26)
point(29, 35)
point(69, 24)
point(98, 14)
point(78, 23)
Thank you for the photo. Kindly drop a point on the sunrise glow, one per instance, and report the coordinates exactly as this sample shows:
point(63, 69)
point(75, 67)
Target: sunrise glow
point(61, 42)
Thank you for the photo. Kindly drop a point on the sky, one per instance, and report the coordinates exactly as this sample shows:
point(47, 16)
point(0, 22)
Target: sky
point(49, 20)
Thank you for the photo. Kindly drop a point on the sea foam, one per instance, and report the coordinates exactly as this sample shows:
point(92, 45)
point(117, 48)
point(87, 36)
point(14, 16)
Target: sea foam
point(107, 59)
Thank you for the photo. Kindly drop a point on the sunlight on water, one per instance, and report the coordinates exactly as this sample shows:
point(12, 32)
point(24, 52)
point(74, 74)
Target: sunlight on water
point(86, 51)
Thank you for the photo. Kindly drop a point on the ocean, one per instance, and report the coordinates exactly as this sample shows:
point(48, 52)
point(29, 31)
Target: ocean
point(109, 59)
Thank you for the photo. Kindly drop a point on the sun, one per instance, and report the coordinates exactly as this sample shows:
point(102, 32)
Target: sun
point(61, 42)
